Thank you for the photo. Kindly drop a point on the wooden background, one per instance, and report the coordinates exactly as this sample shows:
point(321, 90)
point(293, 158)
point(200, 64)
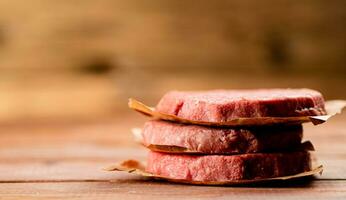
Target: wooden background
point(67, 68)
point(84, 58)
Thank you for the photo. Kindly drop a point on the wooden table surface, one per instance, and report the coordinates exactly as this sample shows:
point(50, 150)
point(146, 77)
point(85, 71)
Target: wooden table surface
point(46, 160)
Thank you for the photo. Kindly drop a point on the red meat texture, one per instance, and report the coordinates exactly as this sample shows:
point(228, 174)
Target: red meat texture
point(225, 105)
point(214, 140)
point(218, 168)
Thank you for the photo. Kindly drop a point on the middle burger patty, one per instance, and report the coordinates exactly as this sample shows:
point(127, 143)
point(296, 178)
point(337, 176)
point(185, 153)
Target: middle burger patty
point(172, 137)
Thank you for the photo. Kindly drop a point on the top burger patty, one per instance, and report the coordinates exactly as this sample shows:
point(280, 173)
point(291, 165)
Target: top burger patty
point(225, 105)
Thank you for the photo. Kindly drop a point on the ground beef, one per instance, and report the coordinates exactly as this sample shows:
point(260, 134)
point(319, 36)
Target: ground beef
point(225, 105)
point(213, 140)
point(227, 167)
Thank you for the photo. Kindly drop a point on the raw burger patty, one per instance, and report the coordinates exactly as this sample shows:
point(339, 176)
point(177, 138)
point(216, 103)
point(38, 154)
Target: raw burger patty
point(225, 105)
point(213, 168)
point(212, 140)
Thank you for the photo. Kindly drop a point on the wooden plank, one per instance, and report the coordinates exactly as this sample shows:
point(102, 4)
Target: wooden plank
point(78, 151)
point(139, 189)
point(53, 170)
point(116, 132)
point(25, 141)
point(66, 161)
point(73, 165)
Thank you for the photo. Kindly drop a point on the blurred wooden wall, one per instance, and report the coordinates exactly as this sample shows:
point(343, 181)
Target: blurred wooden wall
point(77, 57)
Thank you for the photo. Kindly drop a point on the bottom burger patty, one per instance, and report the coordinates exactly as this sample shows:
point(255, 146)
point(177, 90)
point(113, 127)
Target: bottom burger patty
point(227, 167)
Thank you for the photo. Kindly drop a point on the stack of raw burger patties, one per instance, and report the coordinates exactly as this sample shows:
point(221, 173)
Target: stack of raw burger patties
point(212, 153)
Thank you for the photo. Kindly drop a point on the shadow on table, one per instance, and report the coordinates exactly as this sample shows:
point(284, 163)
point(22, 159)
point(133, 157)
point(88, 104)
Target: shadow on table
point(304, 182)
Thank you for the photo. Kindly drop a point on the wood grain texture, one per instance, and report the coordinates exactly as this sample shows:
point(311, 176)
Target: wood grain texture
point(65, 160)
point(139, 189)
